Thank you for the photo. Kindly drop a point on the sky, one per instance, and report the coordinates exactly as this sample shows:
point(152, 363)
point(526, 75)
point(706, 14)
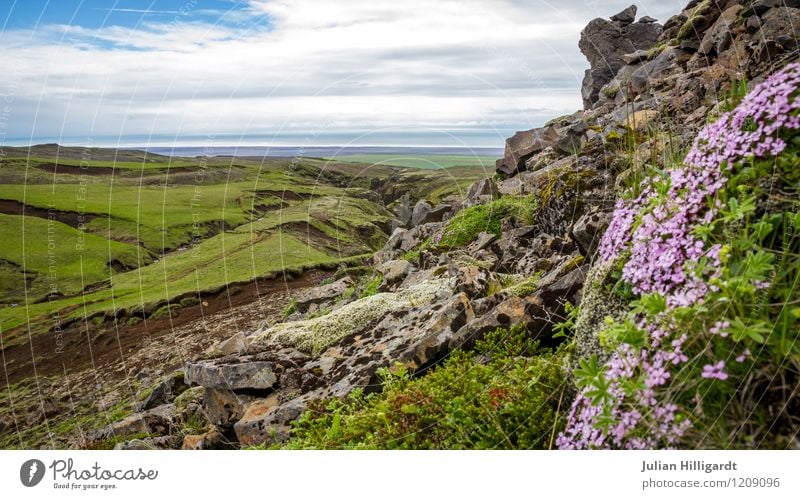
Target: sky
point(291, 72)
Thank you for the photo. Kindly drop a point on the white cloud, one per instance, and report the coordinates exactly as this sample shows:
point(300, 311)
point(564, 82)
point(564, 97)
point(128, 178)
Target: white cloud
point(357, 64)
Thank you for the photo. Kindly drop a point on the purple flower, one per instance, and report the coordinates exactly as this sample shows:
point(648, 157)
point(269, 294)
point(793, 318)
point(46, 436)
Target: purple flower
point(658, 231)
point(715, 371)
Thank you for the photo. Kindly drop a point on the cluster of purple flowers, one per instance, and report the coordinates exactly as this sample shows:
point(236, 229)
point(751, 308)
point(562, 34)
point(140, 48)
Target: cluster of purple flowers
point(657, 227)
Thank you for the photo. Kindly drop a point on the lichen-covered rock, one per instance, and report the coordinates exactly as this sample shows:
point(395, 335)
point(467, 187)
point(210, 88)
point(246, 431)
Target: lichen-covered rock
point(233, 376)
point(598, 301)
point(210, 440)
point(588, 230)
point(223, 408)
point(159, 420)
point(315, 335)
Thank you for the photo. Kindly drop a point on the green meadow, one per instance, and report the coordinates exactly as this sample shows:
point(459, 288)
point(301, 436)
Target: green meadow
point(153, 233)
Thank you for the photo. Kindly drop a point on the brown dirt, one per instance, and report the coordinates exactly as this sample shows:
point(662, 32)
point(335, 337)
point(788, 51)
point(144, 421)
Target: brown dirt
point(71, 218)
point(95, 171)
point(88, 346)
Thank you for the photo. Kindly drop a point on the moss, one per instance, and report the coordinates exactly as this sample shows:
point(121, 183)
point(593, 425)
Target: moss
point(525, 287)
point(315, 335)
point(690, 27)
point(189, 302)
point(465, 226)
point(162, 312)
point(190, 395)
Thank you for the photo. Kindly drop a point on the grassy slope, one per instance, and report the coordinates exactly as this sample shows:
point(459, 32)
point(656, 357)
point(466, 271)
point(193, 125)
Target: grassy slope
point(264, 206)
point(56, 257)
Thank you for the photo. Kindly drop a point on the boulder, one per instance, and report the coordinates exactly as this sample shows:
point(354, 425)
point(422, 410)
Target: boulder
point(636, 56)
point(481, 192)
point(627, 16)
point(210, 440)
point(267, 421)
point(657, 68)
point(315, 335)
point(588, 231)
point(241, 375)
point(522, 145)
point(760, 7)
point(394, 271)
point(164, 392)
point(223, 407)
point(403, 210)
point(421, 210)
point(159, 420)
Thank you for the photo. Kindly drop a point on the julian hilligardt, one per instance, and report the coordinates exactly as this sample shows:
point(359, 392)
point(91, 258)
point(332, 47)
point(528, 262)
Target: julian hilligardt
point(688, 466)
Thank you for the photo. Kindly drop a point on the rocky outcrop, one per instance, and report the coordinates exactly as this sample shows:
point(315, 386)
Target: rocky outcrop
point(606, 42)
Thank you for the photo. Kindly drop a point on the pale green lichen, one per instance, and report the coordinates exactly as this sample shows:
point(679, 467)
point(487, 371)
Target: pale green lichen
point(597, 303)
point(315, 335)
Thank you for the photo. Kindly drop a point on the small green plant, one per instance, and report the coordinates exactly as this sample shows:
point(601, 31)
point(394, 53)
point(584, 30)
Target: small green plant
point(371, 286)
point(290, 308)
point(513, 400)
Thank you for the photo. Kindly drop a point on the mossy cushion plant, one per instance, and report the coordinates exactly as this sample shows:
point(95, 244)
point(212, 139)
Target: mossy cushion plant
point(709, 265)
point(506, 393)
point(465, 226)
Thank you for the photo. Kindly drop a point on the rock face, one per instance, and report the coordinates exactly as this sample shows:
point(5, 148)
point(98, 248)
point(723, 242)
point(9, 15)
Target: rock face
point(604, 43)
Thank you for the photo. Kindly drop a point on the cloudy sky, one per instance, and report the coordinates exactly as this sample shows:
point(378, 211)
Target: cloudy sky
point(289, 72)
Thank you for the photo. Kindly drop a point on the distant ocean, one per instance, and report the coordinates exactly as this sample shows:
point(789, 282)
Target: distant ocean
point(321, 152)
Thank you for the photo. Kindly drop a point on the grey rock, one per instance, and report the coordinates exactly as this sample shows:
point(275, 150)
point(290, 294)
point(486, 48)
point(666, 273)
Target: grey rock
point(234, 345)
point(718, 37)
point(627, 16)
point(394, 271)
point(267, 421)
point(760, 7)
point(322, 294)
point(753, 24)
point(647, 19)
point(438, 214)
point(164, 392)
point(150, 443)
point(588, 230)
point(481, 192)
point(259, 375)
point(636, 56)
point(223, 407)
point(159, 420)
point(604, 43)
point(522, 145)
point(483, 241)
point(643, 77)
point(403, 210)
point(421, 210)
